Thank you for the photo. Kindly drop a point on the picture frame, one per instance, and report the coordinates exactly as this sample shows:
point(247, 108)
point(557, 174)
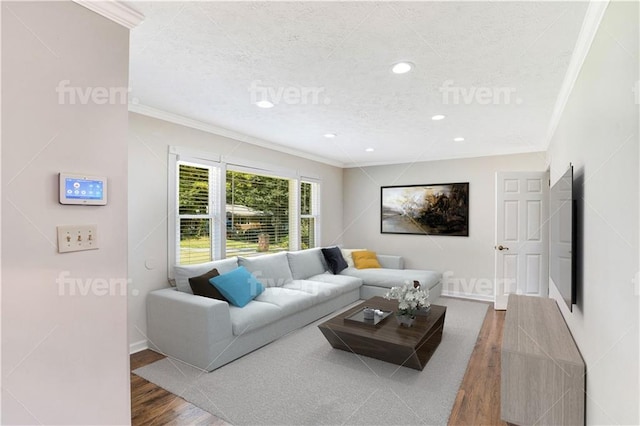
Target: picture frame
point(430, 209)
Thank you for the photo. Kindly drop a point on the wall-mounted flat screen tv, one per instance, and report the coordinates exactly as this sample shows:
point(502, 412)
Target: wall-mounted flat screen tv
point(562, 249)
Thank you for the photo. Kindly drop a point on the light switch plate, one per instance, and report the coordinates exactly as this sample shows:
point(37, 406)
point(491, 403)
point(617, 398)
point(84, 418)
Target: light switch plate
point(77, 238)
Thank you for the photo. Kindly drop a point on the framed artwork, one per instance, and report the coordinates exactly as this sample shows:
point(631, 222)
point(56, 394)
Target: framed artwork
point(435, 209)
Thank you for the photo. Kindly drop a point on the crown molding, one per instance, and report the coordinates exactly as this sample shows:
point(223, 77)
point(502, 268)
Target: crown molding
point(465, 156)
point(220, 131)
point(117, 11)
point(592, 19)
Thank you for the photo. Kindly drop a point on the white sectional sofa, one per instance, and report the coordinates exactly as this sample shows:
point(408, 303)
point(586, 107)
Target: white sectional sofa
point(208, 333)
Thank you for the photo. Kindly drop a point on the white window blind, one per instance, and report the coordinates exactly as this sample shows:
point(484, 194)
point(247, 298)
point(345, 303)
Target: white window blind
point(309, 214)
point(197, 207)
point(258, 213)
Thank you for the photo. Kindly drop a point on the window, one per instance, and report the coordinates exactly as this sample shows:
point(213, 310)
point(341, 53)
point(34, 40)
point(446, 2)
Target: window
point(309, 214)
point(224, 210)
point(196, 213)
point(257, 213)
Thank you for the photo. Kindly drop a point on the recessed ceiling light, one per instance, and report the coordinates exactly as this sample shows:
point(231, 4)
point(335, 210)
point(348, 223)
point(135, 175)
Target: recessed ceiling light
point(330, 135)
point(402, 67)
point(264, 104)
point(458, 139)
point(369, 149)
point(437, 117)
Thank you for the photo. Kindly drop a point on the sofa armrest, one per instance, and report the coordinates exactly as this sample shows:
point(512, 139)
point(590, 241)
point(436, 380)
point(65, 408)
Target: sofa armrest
point(185, 326)
point(391, 262)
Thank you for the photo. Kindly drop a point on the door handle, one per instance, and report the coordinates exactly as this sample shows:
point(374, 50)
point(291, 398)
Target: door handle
point(501, 247)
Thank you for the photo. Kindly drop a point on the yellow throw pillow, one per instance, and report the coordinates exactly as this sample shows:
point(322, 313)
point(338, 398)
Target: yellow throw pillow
point(365, 259)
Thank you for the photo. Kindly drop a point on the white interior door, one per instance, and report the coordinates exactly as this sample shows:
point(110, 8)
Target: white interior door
point(521, 249)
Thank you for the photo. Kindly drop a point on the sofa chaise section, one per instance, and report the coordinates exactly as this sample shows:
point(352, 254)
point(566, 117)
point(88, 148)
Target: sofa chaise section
point(378, 281)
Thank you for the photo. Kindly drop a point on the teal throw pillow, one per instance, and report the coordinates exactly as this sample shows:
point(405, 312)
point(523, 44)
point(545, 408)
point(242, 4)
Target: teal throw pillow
point(239, 287)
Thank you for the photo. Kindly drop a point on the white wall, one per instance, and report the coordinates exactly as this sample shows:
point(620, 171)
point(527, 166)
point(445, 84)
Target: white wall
point(468, 262)
point(64, 357)
point(149, 140)
point(598, 133)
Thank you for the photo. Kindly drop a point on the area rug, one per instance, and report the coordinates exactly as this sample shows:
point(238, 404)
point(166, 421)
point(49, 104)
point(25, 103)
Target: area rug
point(301, 380)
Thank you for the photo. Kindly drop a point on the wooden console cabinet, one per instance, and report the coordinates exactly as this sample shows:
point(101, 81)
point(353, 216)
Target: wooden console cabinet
point(543, 374)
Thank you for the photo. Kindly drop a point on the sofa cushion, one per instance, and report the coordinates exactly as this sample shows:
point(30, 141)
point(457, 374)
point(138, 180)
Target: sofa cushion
point(335, 260)
point(365, 259)
point(239, 286)
point(201, 286)
point(288, 300)
point(254, 315)
point(323, 291)
point(305, 263)
point(346, 253)
point(182, 273)
point(318, 290)
point(345, 283)
point(388, 278)
point(271, 269)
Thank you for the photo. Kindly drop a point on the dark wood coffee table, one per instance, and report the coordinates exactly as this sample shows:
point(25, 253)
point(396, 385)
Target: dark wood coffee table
point(407, 346)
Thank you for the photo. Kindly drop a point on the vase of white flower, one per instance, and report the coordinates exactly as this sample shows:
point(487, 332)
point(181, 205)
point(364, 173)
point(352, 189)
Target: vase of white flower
point(405, 320)
point(410, 299)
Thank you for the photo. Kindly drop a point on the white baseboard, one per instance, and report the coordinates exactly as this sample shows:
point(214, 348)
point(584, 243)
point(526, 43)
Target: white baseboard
point(138, 346)
point(471, 296)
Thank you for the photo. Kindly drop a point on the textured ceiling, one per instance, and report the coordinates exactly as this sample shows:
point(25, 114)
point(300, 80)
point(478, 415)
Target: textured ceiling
point(493, 68)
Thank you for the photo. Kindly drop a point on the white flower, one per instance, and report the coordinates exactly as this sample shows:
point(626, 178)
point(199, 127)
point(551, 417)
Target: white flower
point(410, 299)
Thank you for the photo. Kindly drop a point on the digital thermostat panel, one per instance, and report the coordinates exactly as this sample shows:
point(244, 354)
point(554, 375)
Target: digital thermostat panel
point(83, 190)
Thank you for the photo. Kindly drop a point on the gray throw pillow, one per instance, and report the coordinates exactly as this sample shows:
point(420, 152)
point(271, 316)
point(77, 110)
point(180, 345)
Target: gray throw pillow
point(271, 269)
point(306, 263)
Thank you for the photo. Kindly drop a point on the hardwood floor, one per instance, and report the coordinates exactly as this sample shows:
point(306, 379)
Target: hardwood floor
point(477, 402)
point(152, 405)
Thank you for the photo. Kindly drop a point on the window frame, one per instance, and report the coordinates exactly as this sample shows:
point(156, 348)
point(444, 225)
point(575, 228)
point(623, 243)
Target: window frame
point(314, 208)
point(216, 188)
point(213, 200)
